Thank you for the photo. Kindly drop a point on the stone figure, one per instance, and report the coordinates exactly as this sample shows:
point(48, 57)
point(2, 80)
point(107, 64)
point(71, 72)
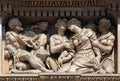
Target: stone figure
point(105, 43)
point(15, 25)
point(87, 58)
point(30, 51)
point(60, 47)
point(40, 27)
point(16, 47)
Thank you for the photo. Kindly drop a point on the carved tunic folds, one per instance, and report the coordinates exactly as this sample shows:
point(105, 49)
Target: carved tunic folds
point(84, 57)
point(34, 53)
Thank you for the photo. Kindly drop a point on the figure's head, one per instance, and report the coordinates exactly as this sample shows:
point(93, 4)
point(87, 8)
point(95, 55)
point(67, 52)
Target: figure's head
point(104, 25)
point(73, 24)
point(15, 25)
point(61, 25)
point(91, 26)
point(43, 26)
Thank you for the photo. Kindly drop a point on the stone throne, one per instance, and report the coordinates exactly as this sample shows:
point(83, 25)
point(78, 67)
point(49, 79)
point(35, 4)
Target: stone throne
point(32, 11)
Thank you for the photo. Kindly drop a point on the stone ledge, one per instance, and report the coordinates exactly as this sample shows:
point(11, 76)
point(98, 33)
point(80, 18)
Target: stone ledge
point(59, 74)
point(60, 77)
point(17, 75)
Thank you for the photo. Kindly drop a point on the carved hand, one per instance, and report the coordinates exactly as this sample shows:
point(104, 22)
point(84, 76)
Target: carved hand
point(65, 59)
point(66, 45)
point(104, 42)
point(62, 56)
point(95, 43)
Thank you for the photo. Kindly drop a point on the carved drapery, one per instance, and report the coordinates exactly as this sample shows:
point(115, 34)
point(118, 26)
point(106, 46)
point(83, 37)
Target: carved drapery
point(30, 8)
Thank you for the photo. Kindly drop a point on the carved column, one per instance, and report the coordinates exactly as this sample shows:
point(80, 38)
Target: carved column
point(118, 36)
point(5, 63)
point(1, 45)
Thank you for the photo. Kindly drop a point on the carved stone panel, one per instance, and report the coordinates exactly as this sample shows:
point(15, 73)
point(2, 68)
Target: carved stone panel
point(63, 40)
point(35, 50)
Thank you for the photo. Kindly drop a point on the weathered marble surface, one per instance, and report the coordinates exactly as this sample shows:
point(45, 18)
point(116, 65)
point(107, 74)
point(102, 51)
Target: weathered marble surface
point(34, 50)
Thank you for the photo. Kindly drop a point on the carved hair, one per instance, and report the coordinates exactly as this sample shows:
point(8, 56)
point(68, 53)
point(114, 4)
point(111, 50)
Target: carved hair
point(91, 26)
point(61, 22)
point(106, 23)
point(14, 22)
point(73, 21)
point(42, 26)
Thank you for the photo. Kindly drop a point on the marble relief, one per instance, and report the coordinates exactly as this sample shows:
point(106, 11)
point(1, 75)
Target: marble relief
point(85, 51)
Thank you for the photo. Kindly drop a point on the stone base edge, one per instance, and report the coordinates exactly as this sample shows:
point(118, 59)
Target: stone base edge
point(59, 77)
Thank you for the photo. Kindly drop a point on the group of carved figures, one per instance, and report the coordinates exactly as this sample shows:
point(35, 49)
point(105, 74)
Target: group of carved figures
point(28, 51)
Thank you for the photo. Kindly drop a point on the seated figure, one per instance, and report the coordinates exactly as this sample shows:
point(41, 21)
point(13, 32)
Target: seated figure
point(17, 46)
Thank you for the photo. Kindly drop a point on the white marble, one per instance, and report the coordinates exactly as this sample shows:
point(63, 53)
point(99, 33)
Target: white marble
point(118, 45)
point(0, 45)
point(118, 24)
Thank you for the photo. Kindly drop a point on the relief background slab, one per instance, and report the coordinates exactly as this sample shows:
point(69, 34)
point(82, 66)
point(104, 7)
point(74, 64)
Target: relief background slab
point(32, 9)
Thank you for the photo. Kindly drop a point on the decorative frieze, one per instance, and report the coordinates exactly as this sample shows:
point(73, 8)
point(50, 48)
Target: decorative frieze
point(56, 13)
point(59, 3)
point(37, 7)
point(58, 8)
